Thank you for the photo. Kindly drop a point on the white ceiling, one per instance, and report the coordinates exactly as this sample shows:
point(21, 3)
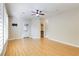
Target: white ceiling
point(50, 9)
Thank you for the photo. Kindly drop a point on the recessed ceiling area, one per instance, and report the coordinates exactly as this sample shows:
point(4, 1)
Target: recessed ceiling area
point(50, 9)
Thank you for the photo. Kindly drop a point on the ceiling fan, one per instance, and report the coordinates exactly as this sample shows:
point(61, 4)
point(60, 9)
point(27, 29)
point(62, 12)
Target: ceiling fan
point(37, 13)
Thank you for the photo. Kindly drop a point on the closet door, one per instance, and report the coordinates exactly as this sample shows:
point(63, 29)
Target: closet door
point(1, 28)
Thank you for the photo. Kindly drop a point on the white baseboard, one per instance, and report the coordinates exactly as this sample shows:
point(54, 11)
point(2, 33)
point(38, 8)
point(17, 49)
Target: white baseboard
point(63, 42)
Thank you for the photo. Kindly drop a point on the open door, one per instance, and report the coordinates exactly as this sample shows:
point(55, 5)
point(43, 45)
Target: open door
point(42, 27)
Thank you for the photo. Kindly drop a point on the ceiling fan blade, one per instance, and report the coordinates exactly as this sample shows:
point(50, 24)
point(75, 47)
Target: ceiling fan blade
point(42, 14)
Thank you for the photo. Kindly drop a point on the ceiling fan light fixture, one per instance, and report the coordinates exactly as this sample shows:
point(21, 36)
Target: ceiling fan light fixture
point(37, 13)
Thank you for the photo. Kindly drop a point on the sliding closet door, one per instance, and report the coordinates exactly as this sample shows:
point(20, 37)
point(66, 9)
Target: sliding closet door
point(1, 28)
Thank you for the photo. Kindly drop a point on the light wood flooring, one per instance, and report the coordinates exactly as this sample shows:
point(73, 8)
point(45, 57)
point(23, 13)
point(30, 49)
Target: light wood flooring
point(39, 47)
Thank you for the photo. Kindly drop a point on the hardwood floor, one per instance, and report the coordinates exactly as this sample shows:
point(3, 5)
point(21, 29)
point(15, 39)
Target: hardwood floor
point(39, 47)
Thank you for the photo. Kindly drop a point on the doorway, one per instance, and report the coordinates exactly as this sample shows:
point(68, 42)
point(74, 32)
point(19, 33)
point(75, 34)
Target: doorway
point(42, 27)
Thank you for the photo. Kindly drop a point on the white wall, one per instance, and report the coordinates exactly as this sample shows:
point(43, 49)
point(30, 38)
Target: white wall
point(65, 27)
point(17, 32)
point(35, 27)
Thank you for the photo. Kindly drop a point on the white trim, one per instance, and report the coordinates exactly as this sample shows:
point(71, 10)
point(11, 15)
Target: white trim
point(63, 42)
point(15, 38)
point(4, 48)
